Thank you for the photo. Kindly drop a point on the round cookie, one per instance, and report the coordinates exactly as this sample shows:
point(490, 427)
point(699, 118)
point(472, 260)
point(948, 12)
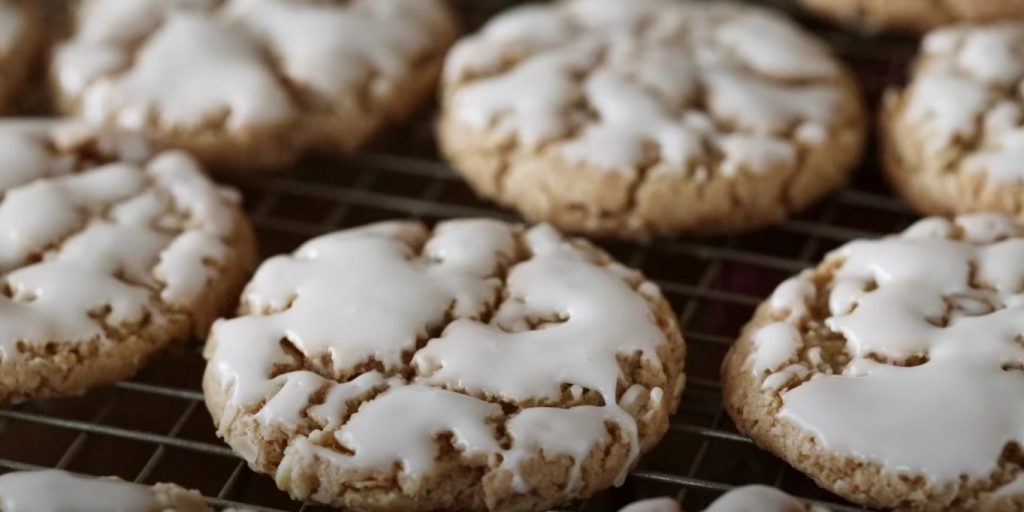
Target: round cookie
point(953, 138)
point(20, 41)
point(105, 264)
point(916, 16)
point(259, 81)
point(54, 490)
point(891, 373)
point(649, 117)
point(477, 365)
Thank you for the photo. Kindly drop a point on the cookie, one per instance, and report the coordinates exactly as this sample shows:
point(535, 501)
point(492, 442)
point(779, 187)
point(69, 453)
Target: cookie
point(953, 138)
point(249, 84)
point(750, 498)
point(915, 16)
point(477, 365)
point(20, 41)
point(649, 117)
point(105, 264)
point(891, 373)
point(54, 490)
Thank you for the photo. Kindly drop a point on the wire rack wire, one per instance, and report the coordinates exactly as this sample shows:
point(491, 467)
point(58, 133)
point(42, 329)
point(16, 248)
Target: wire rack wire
point(156, 428)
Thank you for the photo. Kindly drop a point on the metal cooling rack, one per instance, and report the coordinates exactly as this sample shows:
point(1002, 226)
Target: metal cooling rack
point(156, 428)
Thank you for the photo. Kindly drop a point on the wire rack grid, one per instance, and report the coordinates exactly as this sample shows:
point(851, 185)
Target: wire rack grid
point(156, 428)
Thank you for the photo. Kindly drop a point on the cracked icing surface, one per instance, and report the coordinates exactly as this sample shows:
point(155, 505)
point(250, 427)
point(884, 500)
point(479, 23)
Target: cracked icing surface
point(915, 15)
point(527, 369)
point(286, 73)
point(626, 95)
point(60, 491)
point(955, 138)
point(105, 263)
point(892, 372)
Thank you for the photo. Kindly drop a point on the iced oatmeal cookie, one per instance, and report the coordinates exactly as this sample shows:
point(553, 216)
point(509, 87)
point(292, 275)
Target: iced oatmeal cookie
point(251, 83)
point(892, 373)
point(104, 263)
point(477, 365)
point(649, 117)
point(954, 136)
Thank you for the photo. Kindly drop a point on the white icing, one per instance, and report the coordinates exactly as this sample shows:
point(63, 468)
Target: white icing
point(1012, 489)
point(24, 155)
point(58, 491)
point(529, 27)
point(985, 53)
point(985, 228)
point(755, 154)
point(81, 248)
point(332, 50)
point(774, 46)
point(653, 505)
point(425, 412)
point(931, 227)
point(781, 378)
point(629, 119)
point(615, 84)
point(764, 107)
point(775, 345)
point(367, 295)
point(955, 303)
point(756, 498)
point(793, 296)
point(948, 105)
point(227, 76)
point(237, 57)
point(959, 93)
point(107, 29)
point(545, 88)
point(1002, 163)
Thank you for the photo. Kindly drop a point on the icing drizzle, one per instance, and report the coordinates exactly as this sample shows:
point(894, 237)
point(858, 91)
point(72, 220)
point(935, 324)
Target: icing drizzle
point(432, 311)
point(966, 89)
point(86, 247)
point(238, 56)
point(932, 321)
point(609, 84)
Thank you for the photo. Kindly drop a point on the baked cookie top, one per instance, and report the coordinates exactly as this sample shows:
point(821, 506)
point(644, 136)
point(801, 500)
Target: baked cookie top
point(92, 251)
point(528, 358)
point(60, 491)
point(244, 66)
point(896, 362)
point(705, 91)
point(963, 109)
